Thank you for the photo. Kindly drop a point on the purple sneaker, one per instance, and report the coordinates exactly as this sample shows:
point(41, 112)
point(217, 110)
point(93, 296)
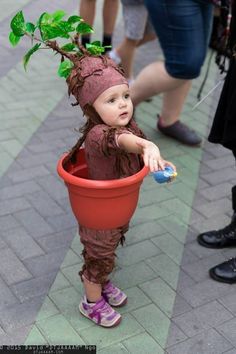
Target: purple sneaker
point(113, 295)
point(100, 312)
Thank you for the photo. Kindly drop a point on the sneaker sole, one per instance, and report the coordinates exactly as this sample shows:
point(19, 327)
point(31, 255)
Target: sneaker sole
point(116, 322)
point(123, 303)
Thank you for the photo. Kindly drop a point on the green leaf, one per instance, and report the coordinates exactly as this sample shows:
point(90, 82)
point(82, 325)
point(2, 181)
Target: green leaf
point(56, 29)
point(30, 27)
point(74, 19)
point(94, 49)
point(40, 22)
point(29, 53)
point(57, 15)
point(18, 24)
point(97, 43)
point(68, 47)
point(83, 28)
point(65, 68)
point(44, 18)
point(14, 40)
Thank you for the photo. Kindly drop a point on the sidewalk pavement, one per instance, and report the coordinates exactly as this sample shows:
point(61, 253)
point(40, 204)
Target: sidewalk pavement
point(174, 307)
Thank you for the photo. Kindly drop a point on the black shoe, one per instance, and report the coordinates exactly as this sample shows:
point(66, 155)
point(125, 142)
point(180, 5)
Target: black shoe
point(180, 132)
point(224, 272)
point(222, 238)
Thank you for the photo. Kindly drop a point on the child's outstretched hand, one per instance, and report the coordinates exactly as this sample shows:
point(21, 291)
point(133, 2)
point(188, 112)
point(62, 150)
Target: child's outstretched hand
point(152, 157)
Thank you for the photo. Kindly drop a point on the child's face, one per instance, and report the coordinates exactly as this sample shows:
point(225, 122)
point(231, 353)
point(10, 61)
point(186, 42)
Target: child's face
point(114, 106)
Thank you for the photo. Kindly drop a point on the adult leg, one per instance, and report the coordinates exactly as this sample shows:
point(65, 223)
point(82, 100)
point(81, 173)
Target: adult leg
point(87, 12)
point(126, 52)
point(153, 80)
point(110, 11)
point(226, 272)
point(180, 29)
point(224, 237)
point(135, 19)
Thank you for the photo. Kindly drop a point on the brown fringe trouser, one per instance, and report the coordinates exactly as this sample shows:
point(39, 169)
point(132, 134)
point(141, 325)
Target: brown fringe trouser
point(99, 252)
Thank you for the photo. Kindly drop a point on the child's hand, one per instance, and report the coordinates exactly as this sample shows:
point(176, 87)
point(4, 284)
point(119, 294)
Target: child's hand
point(152, 157)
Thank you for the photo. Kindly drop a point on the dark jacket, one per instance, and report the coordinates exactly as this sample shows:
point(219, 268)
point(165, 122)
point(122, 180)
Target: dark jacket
point(223, 129)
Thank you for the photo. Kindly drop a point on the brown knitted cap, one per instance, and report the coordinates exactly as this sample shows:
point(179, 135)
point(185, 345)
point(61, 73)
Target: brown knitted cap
point(91, 76)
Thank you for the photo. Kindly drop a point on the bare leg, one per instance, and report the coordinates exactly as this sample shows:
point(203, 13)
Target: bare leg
point(110, 10)
point(87, 10)
point(173, 102)
point(93, 291)
point(154, 79)
point(126, 51)
point(147, 38)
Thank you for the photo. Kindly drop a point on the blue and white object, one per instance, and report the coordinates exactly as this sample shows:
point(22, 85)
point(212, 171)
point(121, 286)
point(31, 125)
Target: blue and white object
point(166, 175)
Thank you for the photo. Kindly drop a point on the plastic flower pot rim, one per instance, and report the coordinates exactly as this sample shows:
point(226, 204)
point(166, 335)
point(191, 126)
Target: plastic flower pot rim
point(99, 184)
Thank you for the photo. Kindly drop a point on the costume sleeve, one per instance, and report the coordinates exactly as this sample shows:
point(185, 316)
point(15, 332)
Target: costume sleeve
point(103, 139)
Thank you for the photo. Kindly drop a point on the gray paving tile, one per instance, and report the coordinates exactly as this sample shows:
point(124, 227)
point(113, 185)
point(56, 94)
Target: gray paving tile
point(217, 192)
point(44, 204)
point(44, 264)
point(209, 342)
point(232, 351)
point(26, 290)
point(62, 222)
point(58, 191)
point(228, 330)
point(34, 223)
point(180, 306)
point(12, 270)
point(219, 176)
point(205, 291)
point(57, 240)
point(13, 205)
point(175, 335)
point(202, 252)
point(19, 190)
point(22, 243)
point(199, 270)
point(33, 160)
point(221, 162)
point(15, 337)
point(7, 298)
point(215, 207)
point(202, 318)
point(28, 174)
point(20, 315)
point(229, 302)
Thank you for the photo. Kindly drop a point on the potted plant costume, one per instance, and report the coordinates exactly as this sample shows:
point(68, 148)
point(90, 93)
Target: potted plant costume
point(104, 177)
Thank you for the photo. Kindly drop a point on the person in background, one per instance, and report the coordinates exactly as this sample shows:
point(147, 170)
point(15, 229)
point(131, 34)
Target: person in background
point(110, 9)
point(223, 131)
point(183, 28)
point(138, 31)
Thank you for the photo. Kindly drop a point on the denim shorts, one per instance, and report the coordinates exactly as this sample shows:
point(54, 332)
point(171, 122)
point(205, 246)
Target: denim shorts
point(183, 28)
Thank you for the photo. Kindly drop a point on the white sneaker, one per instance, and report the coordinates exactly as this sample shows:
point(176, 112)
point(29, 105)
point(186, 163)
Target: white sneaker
point(114, 56)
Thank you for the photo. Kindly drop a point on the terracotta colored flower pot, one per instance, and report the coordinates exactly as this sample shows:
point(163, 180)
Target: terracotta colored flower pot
point(100, 204)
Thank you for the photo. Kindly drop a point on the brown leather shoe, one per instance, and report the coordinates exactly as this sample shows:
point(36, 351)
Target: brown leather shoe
point(180, 132)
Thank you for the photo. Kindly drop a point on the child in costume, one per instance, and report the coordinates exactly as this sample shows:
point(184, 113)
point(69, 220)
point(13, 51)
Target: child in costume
point(114, 148)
